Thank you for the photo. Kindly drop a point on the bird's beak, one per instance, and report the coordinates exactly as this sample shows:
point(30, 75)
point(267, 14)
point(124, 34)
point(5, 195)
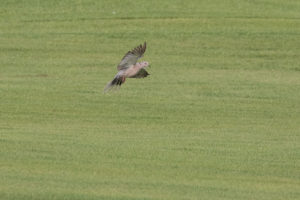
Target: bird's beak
point(149, 66)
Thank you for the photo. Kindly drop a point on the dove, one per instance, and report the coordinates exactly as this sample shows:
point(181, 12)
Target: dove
point(129, 67)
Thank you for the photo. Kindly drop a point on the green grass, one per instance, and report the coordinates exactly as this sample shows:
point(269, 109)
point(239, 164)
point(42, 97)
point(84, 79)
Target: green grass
point(218, 118)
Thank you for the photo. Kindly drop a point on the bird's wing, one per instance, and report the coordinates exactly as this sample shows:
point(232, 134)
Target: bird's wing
point(131, 57)
point(141, 74)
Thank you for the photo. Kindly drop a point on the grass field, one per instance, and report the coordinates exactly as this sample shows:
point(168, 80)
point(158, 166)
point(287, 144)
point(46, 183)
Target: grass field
point(218, 118)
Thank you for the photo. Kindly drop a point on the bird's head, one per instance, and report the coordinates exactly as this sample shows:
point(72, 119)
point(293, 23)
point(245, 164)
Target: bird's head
point(145, 64)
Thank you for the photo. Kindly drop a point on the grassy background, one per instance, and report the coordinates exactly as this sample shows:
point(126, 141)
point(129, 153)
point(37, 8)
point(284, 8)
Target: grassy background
point(217, 119)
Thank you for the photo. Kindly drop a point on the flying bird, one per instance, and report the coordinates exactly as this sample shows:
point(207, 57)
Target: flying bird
point(129, 67)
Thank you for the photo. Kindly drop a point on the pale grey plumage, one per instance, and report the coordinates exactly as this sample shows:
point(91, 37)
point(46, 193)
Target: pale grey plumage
point(131, 57)
point(129, 68)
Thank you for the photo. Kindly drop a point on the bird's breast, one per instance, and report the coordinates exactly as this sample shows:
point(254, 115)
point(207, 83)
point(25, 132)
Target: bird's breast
point(131, 71)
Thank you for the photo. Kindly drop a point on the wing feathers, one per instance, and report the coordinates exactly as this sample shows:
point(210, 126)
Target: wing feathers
point(141, 74)
point(131, 57)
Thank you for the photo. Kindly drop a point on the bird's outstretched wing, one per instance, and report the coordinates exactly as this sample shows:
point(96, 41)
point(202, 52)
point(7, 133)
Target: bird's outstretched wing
point(131, 57)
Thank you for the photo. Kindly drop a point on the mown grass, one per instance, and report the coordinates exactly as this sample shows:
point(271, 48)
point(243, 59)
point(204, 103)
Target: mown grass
point(218, 118)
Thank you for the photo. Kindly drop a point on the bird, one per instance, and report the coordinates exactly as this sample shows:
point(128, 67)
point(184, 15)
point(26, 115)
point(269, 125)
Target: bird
point(129, 67)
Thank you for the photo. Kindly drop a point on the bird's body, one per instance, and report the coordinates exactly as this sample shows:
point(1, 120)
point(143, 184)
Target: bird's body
point(129, 68)
point(132, 70)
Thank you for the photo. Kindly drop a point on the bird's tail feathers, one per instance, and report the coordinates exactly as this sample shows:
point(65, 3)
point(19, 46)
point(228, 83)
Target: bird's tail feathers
point(117, 81)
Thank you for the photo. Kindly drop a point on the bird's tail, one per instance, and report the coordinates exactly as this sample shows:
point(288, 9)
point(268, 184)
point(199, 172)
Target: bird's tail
point(117, 81)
